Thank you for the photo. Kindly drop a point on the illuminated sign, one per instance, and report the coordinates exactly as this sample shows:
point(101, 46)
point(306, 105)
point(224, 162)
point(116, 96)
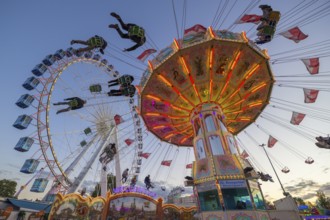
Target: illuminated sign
point(229, 184)
point(135, 189)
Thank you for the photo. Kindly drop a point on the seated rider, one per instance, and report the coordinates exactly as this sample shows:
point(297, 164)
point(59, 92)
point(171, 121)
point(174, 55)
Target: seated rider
point(73, 103)
point(323, 142)
point(124, 80)
point(147, 181)
point(133, 181)
point(266, 29)
point(135, 33)
point(323, 139)
point(128, 90)
point(92, 43)
point(124, 175)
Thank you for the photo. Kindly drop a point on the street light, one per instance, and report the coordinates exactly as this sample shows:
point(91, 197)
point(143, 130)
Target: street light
point(284, 192)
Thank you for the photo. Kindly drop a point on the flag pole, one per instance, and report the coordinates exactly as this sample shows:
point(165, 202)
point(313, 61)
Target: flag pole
point(284, 192)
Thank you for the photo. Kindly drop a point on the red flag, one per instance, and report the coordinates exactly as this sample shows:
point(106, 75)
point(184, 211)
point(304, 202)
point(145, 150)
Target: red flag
point(143, 56)
point(271, 141)
point(244, 154)
point(195, 30)
point(145, 155)
point(310, 95)
point(118, 119)
point(129, 141)
point(249, 19)
point(297, 118)
point(166, 163)
point(189, 166)
point(312, 65)
point(294, 34)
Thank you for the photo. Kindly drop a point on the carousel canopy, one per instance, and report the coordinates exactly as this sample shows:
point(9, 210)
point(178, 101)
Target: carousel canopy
point(207, 66)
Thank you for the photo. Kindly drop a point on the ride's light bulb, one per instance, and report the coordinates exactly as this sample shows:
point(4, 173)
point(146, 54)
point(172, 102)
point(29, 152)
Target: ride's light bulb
point(211, 58)
point(183, 140)
point(150, 66)
point(153, 114)
point(158, 127)
point(258, 87)
point(153, 97)
point(165, 80)
point(251, 71)
point(184, 64)
point(169, 135)
point(237, 56)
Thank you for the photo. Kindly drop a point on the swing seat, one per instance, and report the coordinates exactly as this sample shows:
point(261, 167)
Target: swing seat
point(95, 88)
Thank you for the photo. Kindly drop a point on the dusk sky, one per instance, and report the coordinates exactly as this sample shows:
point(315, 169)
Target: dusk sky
point(33, 29)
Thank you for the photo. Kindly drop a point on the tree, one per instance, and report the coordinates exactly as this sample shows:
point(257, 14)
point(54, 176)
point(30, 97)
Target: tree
point(322, 200)
point(111, 185)
point(299, 201)
point(7, 188)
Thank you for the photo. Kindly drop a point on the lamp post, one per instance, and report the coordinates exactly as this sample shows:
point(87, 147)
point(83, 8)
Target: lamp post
point(284, 192)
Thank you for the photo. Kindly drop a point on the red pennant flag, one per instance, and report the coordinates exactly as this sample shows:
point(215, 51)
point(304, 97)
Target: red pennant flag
point(166, 163)
point(310, 95)
point(129, 141)
point(195, 30)
point(189, 166)
point(143, 56)
point(244, 154)
point(271, 141)
point(118, 119)
point(312, 65)
point(145, 155)
point(249, 19)
point(297, 118)
point(294, 34)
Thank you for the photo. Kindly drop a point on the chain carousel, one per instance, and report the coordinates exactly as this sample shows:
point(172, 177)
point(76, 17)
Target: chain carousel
point(199, 92)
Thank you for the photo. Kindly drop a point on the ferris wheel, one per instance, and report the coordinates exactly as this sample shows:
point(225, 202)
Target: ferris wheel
point(72, 143)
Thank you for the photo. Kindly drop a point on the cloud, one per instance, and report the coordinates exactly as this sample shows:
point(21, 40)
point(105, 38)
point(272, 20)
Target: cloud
point(4, 172)
point(14, 166)
point(307, 189)
point(326, 169)
point(308, 196)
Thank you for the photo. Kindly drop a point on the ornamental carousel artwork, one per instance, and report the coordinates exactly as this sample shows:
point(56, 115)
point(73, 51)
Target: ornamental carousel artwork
point(200, 92)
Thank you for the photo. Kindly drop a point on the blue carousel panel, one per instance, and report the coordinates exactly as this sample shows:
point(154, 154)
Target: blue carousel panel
point(30, 166)
point(39, 69)
point(22, 122)
point(24, 144)
point(49, 60)
point(25, 101)
point(39, 185)
point(50, 197)
point(31, 83)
